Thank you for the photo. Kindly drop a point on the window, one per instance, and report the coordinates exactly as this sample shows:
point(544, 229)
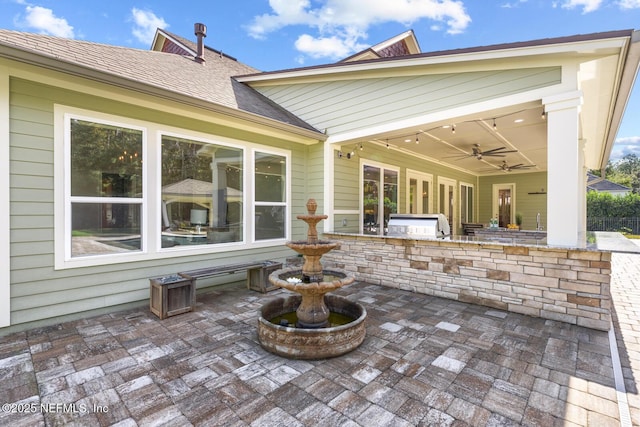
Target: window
point(446, 200)
point(270, 196)
point(201, 193)
point(418, 192)
point(106, 193)
point(131, 190)
point(466, 203)
point(377, 207)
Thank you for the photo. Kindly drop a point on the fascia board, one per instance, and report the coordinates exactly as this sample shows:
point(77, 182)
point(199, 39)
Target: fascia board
point(592, 49)
point(630, 64)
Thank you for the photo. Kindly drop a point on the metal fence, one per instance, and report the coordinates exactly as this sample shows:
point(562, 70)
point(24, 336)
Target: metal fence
point(630, 225)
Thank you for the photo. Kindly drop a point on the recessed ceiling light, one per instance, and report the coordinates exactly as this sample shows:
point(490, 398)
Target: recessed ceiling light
point(518, 121)
point(446, 127)
point(407, 140)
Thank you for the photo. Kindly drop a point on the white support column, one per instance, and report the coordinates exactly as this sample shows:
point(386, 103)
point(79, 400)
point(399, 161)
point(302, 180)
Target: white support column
point(5, 202)
point(329, 165)
point(565, 182)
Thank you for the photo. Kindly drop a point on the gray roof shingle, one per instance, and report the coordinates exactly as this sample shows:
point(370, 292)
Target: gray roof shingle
point(211, 82)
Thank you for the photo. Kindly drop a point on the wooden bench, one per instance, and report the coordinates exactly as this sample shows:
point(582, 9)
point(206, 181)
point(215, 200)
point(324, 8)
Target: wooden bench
point(257, 273)
point(176, 294)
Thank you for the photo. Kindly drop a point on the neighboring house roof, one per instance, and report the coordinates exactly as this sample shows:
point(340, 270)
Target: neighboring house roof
point(211, 82)
point(595, 183)
point(401, 45)
point(168, 42)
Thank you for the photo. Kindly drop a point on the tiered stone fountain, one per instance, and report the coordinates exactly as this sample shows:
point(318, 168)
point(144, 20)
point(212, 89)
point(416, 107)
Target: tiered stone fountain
point(311, 334)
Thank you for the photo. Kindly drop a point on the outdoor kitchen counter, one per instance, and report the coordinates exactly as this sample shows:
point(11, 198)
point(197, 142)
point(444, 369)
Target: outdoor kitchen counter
point(564, 284)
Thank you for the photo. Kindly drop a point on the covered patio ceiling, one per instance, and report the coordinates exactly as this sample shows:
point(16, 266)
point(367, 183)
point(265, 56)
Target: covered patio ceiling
point(508, 140)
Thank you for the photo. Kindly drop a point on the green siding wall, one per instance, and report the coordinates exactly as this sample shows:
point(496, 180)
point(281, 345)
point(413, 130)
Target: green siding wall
point(527, 202)
point(38, 291)
point(336, 106)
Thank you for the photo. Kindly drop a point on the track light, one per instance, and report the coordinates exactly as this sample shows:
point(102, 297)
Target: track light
point(417, 139)
point(453, 129)
point(495, 128)
point(543, 116)
point(361, 147)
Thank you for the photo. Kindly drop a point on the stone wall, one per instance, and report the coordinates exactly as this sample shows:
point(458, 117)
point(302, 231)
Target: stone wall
point(568, 285)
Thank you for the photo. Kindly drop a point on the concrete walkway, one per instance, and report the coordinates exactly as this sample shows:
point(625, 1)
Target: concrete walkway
point(425, 361)
point(625, 292)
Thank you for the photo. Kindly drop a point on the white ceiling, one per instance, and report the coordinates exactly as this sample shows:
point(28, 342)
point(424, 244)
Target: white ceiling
point(520, 128)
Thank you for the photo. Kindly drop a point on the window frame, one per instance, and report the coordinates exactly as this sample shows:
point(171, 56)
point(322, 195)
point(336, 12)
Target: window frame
point(383, 167)
point(472, 210)
point(151, 201)
point(69, 199)
point(287, 203)
point(204, 140)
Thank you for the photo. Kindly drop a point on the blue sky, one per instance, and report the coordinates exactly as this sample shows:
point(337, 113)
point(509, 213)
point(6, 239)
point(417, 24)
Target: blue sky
point(279, 34)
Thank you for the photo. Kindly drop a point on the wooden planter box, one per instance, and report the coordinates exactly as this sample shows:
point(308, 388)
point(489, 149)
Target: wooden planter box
point(171, 295)
point(258, 277)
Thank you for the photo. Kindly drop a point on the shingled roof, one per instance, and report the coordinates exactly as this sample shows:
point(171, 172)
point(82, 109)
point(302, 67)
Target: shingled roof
point(212, 82)
point(604, 185)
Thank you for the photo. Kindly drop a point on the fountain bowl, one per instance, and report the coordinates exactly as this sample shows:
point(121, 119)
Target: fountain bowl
point(311, 344)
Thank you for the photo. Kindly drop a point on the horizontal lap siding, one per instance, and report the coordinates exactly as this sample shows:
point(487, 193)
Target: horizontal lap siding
point(527, 202)
point(337, 106)
point(347, 184)
point(38, 291)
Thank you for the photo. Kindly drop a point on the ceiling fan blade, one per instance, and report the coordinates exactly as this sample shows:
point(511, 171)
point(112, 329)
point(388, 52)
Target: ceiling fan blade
point(500, 150)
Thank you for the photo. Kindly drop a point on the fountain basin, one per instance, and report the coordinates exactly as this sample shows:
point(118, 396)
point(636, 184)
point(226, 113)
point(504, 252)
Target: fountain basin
point(312, 312)
point(309, 344)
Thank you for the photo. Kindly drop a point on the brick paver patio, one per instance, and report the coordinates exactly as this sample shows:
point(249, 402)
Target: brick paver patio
point(425, 361)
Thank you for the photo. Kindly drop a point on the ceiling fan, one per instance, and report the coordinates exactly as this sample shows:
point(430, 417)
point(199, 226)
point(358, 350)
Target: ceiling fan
point(494, 152)
point(505, 166)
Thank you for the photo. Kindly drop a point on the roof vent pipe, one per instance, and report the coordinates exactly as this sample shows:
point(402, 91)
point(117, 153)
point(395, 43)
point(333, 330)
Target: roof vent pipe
point(201, 33)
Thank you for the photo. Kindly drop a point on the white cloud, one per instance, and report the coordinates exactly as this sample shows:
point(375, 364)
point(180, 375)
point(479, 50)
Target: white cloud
point(44, 21)
point(587, 5)
point(326, 47)
point(624, 146)
point(341, 24)
point(145, 25)
point(629, 4)
point(513, 4)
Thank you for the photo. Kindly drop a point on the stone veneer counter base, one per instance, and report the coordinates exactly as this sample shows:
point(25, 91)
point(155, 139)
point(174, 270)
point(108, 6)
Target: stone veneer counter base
point(563, 284)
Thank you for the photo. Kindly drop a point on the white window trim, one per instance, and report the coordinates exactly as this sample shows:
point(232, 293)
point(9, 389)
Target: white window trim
point(286, 204)
point(424, 177)
point(452, 182)
point(152, 188)
point(473, 210)
point(157, 185)
point(495, 210)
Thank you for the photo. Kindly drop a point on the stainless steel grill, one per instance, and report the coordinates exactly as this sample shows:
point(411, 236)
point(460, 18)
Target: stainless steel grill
point(434, 226)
